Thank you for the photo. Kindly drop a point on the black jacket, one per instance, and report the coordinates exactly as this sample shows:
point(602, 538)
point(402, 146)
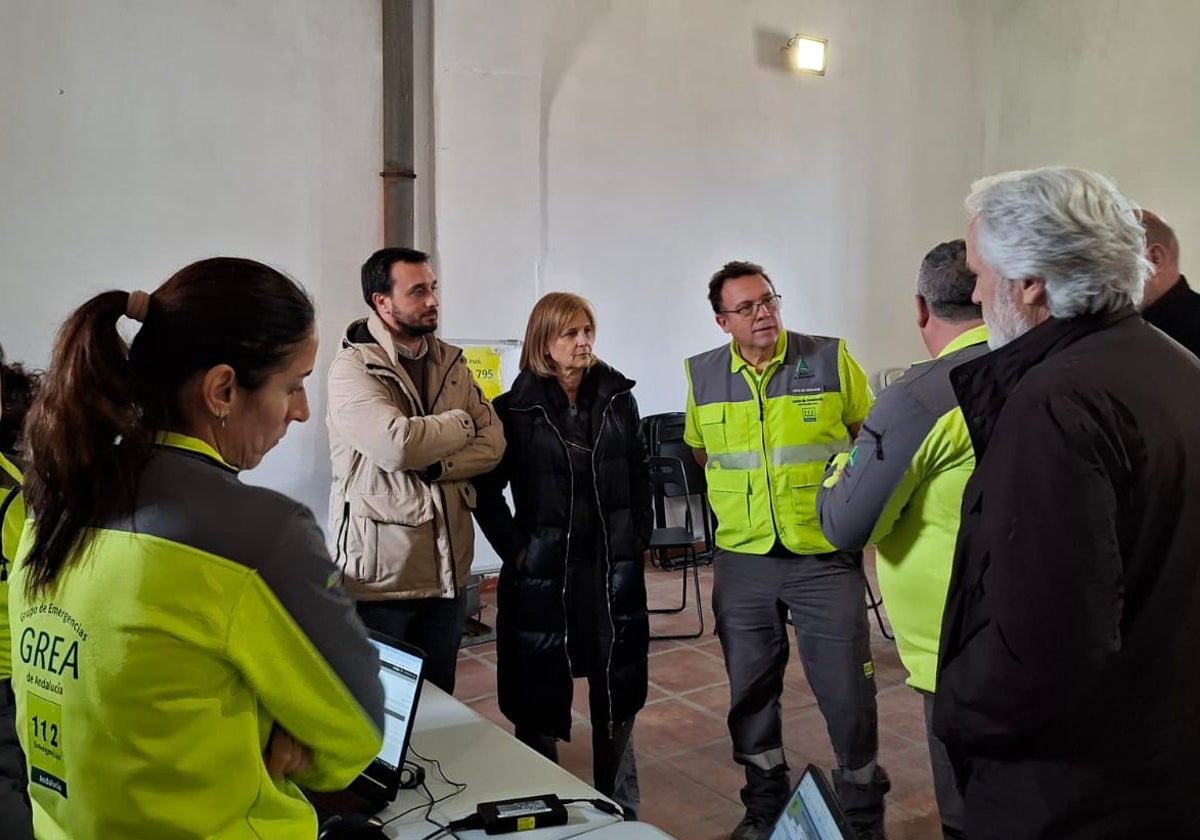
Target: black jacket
point(534, 673)
point(1068, 693)
point(1177, 313)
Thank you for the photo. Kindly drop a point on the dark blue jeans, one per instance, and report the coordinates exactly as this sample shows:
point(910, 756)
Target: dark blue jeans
point(435, 625)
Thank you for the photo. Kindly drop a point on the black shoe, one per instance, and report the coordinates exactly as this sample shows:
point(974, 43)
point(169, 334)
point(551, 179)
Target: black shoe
point(754, 826)
point(863, 804)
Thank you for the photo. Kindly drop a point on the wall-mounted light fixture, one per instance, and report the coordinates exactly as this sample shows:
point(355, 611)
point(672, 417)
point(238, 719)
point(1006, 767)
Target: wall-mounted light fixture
point(807, 53)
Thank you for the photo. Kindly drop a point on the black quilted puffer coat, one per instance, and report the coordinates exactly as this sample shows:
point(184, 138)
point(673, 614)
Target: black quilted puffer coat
point(533, 541)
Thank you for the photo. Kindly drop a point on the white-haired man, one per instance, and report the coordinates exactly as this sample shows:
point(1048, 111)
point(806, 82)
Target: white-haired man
point(1066, 692)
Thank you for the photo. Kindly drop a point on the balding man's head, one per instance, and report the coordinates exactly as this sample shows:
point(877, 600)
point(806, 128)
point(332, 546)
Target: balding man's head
point(1162, 249)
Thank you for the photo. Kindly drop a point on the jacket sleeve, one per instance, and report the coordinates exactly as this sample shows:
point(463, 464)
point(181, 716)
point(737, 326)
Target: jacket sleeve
point(492, 511)
point(297, 641)
point(1049, 598)
point(485, 449)
point(364, 412)
point(866, 489)
point(639, 476)
point(856, 390)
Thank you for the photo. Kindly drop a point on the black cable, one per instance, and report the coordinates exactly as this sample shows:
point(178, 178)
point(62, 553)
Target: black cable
point(473, 821)
point(441, 829)
point(437, 766)
point(430, 802)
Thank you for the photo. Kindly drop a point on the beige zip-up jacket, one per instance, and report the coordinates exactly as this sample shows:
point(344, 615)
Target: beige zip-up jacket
point(400, 505)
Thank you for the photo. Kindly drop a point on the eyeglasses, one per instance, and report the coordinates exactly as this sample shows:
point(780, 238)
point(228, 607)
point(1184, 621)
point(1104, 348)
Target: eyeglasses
point(770, 303)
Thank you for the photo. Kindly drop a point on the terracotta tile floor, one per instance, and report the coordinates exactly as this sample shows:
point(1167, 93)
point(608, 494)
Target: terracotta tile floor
point(688, 780)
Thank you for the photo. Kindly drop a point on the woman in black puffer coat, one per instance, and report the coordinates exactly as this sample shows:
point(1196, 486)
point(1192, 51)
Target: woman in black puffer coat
point(572, 594)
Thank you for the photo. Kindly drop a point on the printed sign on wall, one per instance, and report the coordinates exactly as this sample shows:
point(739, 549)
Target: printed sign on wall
point(484, 363)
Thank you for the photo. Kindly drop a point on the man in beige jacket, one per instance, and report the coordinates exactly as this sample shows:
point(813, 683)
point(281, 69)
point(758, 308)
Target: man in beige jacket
point(408, 426)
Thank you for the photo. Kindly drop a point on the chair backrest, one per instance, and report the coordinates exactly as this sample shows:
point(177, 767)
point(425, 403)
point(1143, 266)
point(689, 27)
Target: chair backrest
point(664, 439)
point(692, 470)
point(657, 428)
point(668, 476)
point(669, 482)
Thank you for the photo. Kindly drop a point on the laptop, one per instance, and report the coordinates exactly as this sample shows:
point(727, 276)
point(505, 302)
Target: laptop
point(812, 812)
point(401, 670)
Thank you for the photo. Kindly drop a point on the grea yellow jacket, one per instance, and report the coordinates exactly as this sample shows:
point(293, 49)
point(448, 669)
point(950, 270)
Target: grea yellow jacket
point(149, 679)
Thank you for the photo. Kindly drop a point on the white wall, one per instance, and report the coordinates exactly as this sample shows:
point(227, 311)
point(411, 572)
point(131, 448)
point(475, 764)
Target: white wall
point(624, 149)
point(619, 148)
point(138, 136)
point(1105, 85)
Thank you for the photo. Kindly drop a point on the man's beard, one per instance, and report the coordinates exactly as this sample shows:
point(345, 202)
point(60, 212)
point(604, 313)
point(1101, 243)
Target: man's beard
point(416, 330)
point(1005, 322)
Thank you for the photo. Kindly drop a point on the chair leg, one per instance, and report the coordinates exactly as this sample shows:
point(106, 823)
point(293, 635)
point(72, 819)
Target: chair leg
point(875, 604)
point(695, 570)
point(682, 600)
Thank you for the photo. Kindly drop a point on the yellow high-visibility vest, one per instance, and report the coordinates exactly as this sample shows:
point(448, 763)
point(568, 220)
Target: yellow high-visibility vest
point(768, 437)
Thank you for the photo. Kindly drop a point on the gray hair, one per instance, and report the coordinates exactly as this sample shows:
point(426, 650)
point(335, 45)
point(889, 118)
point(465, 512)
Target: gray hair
point(1071, 228)
point(947, 284)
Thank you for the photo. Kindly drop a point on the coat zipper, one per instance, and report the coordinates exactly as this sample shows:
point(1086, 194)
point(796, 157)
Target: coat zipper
point(607, 560)
point(612, 626)
point(442, 490)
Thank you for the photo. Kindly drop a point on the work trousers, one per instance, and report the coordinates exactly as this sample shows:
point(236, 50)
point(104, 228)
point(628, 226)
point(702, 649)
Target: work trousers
point(754, 596)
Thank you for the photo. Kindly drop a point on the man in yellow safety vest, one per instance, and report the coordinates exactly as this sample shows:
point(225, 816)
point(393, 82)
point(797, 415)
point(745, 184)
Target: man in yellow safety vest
point(764, 414)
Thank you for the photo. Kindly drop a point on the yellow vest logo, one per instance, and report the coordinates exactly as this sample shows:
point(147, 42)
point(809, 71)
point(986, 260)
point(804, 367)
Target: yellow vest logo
point(49, 653)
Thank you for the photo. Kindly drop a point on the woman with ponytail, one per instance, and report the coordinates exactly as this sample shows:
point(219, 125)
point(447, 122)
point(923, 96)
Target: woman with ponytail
point(183, 655)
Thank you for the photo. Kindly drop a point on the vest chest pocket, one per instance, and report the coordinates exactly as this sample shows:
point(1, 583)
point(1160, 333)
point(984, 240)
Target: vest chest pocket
point(805, 475)
point(803, 481)
point(712, 426)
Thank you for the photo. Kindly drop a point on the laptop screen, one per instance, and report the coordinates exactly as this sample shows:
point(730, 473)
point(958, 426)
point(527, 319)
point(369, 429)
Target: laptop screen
point(400, 672)
point(812, 812)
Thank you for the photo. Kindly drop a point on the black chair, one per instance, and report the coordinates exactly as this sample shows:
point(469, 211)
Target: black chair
point(697, 485)
point(669, 479)
point(661, 427)
point(664, 436)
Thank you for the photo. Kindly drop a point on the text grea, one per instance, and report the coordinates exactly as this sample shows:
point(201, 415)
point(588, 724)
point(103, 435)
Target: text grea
point(53, 654)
